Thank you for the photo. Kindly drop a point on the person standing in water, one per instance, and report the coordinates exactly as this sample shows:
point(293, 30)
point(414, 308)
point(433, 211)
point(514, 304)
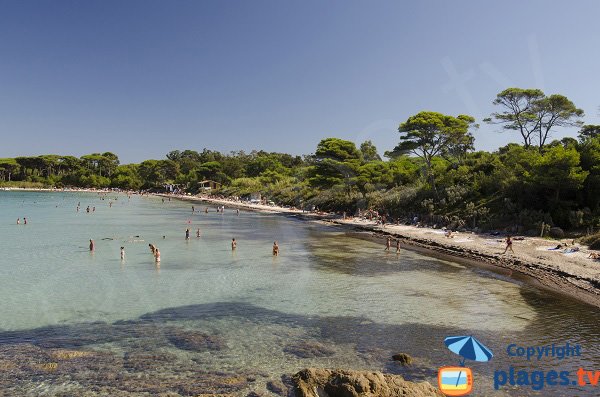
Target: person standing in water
point(187, 233)
point(275, 248)
point(18, 221)
point(156, 255)
point(397, 246)
point(152, 248)
point(233, 244)
point(122, 253)
point(24, 221)
point(388, 244)
point(198, 233)
point(92, 245)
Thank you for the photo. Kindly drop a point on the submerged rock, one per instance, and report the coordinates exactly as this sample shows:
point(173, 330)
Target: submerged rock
point(194, 341)
point(313, 382)
point(403, 358)
point(309, 350)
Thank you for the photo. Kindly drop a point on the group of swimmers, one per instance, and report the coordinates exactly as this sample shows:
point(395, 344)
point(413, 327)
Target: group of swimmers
point(155, 252)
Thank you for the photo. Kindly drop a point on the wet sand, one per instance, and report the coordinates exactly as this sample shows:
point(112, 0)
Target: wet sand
point(534, 260)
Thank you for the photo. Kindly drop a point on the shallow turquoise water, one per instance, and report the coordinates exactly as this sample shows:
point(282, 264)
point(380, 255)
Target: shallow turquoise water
point(326, 287)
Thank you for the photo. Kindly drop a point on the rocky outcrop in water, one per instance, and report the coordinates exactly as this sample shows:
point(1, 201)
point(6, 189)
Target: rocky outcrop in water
point(313, 382)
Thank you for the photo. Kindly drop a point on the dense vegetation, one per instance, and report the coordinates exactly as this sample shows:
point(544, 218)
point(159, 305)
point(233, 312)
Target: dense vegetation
point(433, 172)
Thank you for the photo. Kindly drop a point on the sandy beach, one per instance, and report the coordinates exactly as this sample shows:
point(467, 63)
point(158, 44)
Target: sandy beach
point(534, 259)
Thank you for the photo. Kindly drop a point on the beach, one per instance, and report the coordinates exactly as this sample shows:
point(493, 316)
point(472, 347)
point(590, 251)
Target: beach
point(536, 260)
point(210, 319)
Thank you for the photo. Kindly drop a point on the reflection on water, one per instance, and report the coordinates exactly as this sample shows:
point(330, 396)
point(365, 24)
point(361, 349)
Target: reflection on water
point(212, 321)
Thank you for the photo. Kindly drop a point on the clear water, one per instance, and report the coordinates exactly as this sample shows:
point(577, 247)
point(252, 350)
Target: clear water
point(328, 288)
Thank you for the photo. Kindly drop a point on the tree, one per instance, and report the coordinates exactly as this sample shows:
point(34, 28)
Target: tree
point(431, 134)
point(336, 163)
point(589, 131)
point(369, 151)
point(519, 114)
point(559, 169)
point(555, 111)
point(534, 114)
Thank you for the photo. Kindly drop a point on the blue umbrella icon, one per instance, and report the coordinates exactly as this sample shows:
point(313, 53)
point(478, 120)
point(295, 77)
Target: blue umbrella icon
point(468, 348)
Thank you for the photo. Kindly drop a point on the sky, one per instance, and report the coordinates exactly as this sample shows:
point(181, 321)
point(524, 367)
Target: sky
point(142, 78)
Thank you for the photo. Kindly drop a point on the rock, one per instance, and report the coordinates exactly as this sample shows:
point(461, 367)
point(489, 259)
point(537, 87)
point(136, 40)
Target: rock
point(403, 358)
point(309, 350)
point(313, 382)
point(194, 341)
point(277, 387)
point(556, 232)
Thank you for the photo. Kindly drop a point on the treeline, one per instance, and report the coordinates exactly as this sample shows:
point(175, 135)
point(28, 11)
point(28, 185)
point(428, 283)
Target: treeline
point(433, 173)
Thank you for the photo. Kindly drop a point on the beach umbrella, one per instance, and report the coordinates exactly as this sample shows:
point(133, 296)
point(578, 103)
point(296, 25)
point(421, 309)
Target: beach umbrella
point(468, 348)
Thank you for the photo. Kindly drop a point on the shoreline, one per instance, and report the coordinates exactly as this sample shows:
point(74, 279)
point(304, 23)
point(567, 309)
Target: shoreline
point(534, 261)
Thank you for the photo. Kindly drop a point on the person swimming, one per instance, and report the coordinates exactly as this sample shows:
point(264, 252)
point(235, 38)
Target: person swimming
point(275, 248)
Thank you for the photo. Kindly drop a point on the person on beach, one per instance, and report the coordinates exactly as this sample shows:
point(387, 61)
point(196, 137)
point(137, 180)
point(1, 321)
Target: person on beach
point(397, 246)
point(187, 233)
point(122, 253)
point(449, 234)
point(275, 248)
point(92, 245)
point(508, 245)
point(198, 233)
point(233, 244)
point(594, 255)
point(388, 244)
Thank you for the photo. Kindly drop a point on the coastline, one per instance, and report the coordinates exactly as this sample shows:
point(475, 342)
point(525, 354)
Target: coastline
point(534, 262)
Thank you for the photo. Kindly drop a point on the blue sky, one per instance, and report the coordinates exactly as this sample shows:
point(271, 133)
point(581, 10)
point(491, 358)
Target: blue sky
point(141, 78)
